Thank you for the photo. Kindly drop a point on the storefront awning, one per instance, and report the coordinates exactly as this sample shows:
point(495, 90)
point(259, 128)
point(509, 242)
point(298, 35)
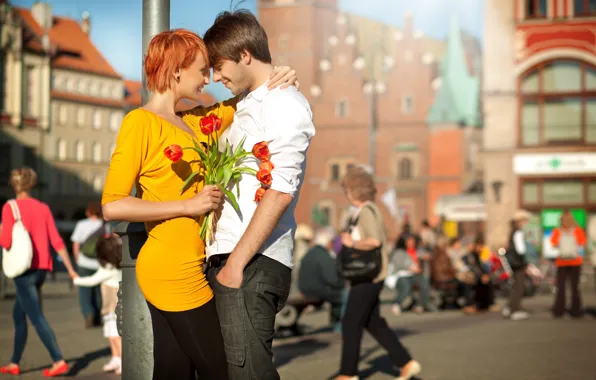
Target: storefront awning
point(461, 207)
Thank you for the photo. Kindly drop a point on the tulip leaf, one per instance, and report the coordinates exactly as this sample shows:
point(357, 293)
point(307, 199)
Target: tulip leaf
point(220, 174)
point(199, 152)
point(240, 146)
point(190, 178)
point(227, 175)
point(232, 199)
point(228, 150)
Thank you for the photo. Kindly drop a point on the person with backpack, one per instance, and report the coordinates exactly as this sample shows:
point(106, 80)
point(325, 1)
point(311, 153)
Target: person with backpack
point(29, 215)
point(108, 277)
point(84, 239)
point(570, 240)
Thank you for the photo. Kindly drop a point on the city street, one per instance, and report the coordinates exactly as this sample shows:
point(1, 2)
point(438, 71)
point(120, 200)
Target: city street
point(450, 346)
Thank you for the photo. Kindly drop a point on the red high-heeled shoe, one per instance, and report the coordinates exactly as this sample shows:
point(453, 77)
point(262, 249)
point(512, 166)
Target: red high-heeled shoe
point(10, 371)
point(61, 370)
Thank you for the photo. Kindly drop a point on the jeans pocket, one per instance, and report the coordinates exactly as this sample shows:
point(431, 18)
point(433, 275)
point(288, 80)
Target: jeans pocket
point(270, 299)
point(231, 312)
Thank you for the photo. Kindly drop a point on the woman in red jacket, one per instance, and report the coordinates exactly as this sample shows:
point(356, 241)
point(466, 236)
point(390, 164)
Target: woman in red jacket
point(570, 240)
point(38, 221)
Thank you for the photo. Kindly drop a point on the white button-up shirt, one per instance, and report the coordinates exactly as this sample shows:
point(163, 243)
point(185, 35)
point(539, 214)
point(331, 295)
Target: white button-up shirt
point(283, 119)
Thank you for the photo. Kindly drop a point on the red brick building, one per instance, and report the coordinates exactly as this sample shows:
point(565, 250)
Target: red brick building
point(540, 111)
point(341, 58)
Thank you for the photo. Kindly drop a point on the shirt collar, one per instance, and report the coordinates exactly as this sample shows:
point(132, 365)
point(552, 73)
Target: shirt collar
point(259, 93)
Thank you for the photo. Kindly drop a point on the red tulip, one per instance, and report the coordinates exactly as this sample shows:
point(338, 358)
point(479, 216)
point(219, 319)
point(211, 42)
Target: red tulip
point(173, 152)
point(261, 151)
point(264, 176)
point(266, 165)
point(259, 194)
point(209, 124)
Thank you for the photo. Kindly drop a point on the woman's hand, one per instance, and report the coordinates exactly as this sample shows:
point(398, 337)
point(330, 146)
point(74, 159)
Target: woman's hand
point(283, 76)
point(208, 199)
point(346, 239)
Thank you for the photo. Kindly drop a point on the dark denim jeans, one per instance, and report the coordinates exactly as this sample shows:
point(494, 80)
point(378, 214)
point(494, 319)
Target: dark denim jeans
point(90, 298)
point(247, 317)
point(404, 289)
point(28, 304)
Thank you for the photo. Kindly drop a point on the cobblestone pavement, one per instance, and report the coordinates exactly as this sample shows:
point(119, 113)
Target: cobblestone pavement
point(449, 345)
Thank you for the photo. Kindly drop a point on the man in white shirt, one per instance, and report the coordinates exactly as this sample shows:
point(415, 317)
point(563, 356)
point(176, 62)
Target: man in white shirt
point(89, 297)
point(250, 259)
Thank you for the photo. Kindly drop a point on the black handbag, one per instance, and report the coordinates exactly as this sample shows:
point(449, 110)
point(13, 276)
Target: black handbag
point(357, 265)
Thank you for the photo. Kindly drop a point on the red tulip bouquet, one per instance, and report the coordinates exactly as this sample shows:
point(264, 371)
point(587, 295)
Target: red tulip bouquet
point(223, 167)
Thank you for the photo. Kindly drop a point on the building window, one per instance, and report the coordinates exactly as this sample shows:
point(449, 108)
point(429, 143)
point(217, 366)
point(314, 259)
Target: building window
point(82, 86)
point(530, 194)
point(536, 8)
point(62, 114)
point(404, 169)
point(407, 105)
point(335, 172)
point(563, 192)
point(105, 90)
point(81, 117)
point(341, 109)
point(93, 89)
point(96, 152)
point(117, 92)
point(57, 82)
point(70, 84)
point(96, 119)
point(592, 192)
point(584, 8)
point(60, 150)
point(29, 91)
point(80, 151)
point(115, 120)
point(558, 193)
point(558, 104)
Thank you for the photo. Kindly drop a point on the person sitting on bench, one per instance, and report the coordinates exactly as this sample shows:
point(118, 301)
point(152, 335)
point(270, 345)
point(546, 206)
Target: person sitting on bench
point(318, 277)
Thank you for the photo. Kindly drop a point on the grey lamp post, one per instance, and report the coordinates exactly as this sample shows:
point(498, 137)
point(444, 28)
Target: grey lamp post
point(134, 321)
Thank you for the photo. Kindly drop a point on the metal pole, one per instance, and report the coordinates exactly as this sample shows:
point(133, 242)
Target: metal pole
point(134, 321)
point(156, 19)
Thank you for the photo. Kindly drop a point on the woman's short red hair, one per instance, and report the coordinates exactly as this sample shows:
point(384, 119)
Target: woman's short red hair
point(169, 51)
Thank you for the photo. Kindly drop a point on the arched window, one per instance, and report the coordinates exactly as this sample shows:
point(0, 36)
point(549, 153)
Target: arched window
point(404, 169)
point(61, 150)
point(79, 150)
point(558, 104)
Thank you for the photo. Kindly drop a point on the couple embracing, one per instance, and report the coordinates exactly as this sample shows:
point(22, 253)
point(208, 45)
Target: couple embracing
point(212, 307)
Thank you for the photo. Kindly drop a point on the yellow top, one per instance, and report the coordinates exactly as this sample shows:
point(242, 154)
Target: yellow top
point(169, 266)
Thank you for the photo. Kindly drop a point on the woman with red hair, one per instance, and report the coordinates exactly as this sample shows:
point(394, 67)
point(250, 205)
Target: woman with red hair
point(186, 328)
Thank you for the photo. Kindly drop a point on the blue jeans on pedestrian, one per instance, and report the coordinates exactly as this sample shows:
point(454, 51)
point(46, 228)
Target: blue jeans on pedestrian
point(404, 289)
point(28, 304)
point(90, 297)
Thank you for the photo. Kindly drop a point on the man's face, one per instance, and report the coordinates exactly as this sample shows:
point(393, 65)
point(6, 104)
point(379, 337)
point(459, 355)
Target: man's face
point(233, 75)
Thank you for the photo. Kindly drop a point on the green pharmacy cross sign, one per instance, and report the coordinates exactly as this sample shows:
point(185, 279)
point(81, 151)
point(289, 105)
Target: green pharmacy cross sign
point(555, 163)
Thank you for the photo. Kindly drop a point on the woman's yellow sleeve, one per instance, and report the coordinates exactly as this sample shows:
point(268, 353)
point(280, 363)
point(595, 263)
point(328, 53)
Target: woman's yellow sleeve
point(129, 157)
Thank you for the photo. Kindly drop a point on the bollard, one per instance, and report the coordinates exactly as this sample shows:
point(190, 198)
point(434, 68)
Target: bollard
point(134, 321)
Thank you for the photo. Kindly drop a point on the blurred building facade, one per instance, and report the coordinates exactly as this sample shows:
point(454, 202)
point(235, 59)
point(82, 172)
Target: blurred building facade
point(539, 105)
point(423, 129)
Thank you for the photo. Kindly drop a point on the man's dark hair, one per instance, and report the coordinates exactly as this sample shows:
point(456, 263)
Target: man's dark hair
point(234, 32)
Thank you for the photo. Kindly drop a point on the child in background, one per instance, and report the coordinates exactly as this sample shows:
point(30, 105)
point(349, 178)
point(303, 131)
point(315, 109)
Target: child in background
point(109, 275)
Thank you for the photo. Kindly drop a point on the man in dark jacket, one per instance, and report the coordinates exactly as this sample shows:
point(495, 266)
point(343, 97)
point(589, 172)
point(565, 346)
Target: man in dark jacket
point(318, 277)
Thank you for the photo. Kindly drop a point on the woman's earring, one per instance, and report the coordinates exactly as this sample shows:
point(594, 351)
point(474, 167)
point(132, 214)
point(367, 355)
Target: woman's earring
point(177, 79)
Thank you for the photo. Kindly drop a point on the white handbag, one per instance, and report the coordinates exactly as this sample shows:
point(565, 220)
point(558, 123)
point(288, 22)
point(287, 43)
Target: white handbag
point(17, 259)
